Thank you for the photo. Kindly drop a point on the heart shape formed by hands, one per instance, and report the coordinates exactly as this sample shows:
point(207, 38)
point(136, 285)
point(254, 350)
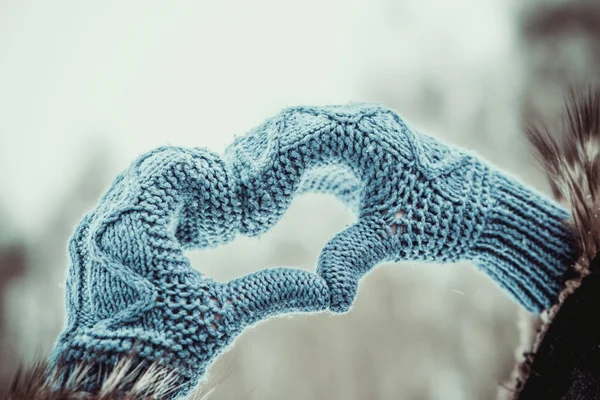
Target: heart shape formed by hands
point(131, 289)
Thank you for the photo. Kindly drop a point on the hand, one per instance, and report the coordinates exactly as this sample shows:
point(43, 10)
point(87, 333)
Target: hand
point(132, 292)
point(415, 197)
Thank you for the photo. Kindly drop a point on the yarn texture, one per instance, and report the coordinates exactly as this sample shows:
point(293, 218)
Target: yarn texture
point(130, 288)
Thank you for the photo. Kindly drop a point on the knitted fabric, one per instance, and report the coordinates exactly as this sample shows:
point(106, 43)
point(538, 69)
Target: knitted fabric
point(131, 290)
point(415, 198)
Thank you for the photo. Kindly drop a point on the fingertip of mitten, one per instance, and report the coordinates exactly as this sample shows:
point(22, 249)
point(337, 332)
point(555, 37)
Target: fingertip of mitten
point(342, 286)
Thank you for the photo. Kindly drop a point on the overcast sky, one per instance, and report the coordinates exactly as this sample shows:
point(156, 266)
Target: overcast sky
point(132, 75)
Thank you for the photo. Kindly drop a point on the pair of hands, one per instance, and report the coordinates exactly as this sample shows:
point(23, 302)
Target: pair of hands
point(131, 289)
point(399, 182)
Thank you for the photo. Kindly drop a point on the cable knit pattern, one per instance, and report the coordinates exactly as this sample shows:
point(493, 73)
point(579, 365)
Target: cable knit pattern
point(130, 288)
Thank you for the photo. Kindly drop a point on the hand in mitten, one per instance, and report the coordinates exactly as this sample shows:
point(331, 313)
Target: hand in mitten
point(415, 199)
point(131, 293)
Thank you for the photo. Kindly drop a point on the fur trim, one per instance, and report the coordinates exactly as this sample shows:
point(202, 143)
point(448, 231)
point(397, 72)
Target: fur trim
point(572, 160)
point(127, 380)
point(42, 381)
point(570, 154)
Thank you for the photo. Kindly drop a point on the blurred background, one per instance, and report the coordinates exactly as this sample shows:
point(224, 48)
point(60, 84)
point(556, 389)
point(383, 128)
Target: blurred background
point(85, 87)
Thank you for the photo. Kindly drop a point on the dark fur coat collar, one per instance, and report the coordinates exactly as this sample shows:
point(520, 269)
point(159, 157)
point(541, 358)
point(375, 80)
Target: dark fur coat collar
point(565, 360)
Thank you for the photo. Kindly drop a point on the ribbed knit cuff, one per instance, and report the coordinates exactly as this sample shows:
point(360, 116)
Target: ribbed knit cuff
point(525, 245)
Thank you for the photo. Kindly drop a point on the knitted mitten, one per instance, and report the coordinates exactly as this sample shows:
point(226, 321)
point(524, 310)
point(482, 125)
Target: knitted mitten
point(415, 198)
point(131, 293)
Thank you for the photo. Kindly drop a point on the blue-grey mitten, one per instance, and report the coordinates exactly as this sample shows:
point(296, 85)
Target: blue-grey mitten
point(415, 198)
point(131, 292)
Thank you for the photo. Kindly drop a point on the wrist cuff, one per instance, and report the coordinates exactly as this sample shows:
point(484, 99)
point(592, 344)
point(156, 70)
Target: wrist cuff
point(525, 245)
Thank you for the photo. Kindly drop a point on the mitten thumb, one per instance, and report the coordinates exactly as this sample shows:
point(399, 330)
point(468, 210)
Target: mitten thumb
point(351, 254)
point(257, 296)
